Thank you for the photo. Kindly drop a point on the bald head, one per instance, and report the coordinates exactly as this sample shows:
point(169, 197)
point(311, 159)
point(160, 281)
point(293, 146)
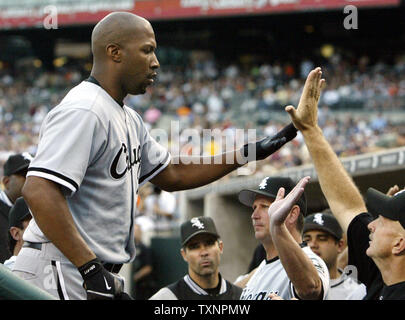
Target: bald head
point(116, 28)
point(124, 59)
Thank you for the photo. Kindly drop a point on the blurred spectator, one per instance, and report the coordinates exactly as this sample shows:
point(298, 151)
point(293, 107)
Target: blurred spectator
point(161, 207)
point(203, 94)
point(142, 268)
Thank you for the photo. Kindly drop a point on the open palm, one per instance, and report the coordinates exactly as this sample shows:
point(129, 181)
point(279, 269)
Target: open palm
point(280, 208)
point(306, 114)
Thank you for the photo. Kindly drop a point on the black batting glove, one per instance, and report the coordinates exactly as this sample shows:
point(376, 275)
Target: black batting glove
point(263, 148)
point(99, 283)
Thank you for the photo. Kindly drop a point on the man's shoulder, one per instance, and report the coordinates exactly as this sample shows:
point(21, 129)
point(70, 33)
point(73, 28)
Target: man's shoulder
point(4, 209)
point(164, 294)
point(85, 96)
point(234, 288)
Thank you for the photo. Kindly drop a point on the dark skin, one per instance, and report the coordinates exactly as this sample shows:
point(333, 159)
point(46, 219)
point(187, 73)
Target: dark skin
point(123, 46)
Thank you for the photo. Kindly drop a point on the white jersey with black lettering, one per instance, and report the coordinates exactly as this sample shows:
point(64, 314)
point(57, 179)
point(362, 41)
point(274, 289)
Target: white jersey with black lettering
point(100, 153)
point(271, 277)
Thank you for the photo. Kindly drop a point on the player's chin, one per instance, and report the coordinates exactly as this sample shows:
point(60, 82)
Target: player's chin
point(369, 251)
point(138, 89)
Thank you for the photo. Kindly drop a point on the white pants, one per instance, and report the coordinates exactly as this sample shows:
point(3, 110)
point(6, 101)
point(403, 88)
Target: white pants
point(51, 271)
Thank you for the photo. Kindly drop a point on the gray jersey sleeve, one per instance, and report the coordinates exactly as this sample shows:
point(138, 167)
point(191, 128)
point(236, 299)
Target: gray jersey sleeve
point(70, 139)
point(154, 158)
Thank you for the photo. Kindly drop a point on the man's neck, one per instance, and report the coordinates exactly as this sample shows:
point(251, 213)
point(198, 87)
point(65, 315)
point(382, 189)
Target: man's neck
point(392, 269)
point(7, 199)
point(17, 247)
point(205, 282)
point(110, 86)
point(334, 272)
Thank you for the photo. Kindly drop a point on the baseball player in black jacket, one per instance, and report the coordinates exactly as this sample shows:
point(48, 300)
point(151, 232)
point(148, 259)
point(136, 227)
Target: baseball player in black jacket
point(201, 249)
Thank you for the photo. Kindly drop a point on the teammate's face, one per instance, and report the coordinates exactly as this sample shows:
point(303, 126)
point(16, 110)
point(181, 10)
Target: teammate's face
point(202, 253)
point(14, 184)
point(139, 61)
point(383, 233)
point(324, 245)
point(260, 217)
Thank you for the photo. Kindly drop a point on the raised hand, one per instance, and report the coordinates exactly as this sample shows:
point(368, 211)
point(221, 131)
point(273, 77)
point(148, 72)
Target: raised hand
point(306, 115)
point(393, 190)
point(280, 208)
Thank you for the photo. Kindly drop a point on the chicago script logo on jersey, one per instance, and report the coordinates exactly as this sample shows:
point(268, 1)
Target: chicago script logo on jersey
point(116, 171)
point(261, 295)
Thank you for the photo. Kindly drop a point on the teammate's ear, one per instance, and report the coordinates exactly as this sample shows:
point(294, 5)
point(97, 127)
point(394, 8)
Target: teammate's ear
point(399, 246)
point(5, 180)
point(341, 245)
point(14, 231)
point(183, 254)
point(114, 52)
point(221, 245)
point(293, 215)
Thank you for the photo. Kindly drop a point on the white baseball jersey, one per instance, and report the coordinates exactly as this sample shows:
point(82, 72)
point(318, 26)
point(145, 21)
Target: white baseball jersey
point(271, 277)
point(344, 288)
point(100, 153)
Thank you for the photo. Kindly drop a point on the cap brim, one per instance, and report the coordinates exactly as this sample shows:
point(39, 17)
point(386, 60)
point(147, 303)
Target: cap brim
point(20, 168)
point(196, 233)
point(315, 226)
point(248, 196)
point(378, 204)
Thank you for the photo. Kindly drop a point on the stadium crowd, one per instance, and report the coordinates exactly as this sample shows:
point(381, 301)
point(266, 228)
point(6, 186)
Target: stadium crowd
point(204, 95)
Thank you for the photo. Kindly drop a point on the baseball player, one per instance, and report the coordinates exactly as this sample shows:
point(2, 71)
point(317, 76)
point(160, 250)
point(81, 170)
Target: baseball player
point(290, 270)
point(15, 170)
point(201, 249)
point(93, 155)
point(18, 219)
point(324, 236)
point(376, 238)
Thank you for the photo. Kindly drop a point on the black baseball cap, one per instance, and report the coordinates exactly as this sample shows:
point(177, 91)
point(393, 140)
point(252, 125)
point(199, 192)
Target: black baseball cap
point(269, 187)
point(324, 222)
point(392, 208)
point(16, 163)
point(195, 226)
point(18, 213)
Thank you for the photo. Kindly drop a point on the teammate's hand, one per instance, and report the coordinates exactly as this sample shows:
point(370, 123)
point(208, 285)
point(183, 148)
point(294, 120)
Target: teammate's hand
point(263, 148)
point(99, 283)
point(280, 208)
point(393, 190)
point(306, 115)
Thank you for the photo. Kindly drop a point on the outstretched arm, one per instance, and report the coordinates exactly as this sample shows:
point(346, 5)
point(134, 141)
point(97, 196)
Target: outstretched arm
point(298, 266)
point(187, 172)
point(342, 195)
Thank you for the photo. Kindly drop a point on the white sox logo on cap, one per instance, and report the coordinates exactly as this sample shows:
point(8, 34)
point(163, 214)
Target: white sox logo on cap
point(263, 184)
point(195, 222)
point(318, 219)
point(27, 156)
